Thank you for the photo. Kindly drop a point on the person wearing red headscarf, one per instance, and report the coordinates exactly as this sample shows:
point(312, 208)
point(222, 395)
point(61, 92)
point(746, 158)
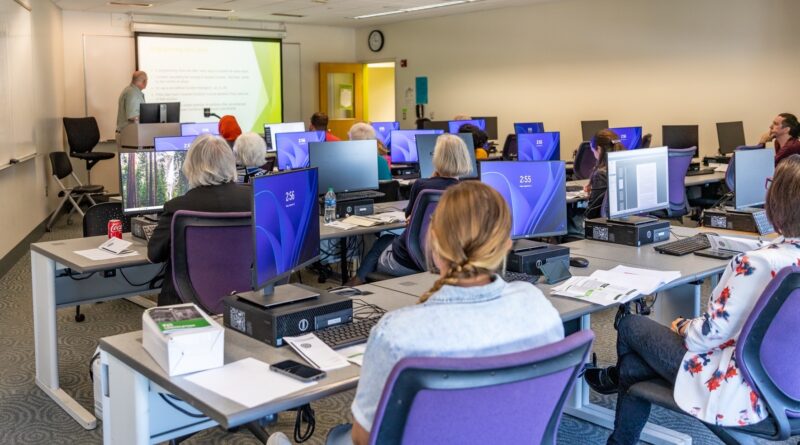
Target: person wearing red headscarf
point(229, 129)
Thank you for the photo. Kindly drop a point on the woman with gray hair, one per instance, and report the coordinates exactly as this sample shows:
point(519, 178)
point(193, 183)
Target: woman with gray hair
point(210, 169)
point(365, 132)
point(251, 154)
point(389, 254)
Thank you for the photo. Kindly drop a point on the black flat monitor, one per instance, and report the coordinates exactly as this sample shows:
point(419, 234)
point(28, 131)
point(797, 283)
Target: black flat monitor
point(347, 166)
point(425, 149)
point(534, 191)
point(285, 227)
point(751, 170)
point(154, 113)
point(148, 179)
point(491, 126)
point(436, 125)
point(681, 136)
point(638, 182)
point(730, 136)
point(590, 128)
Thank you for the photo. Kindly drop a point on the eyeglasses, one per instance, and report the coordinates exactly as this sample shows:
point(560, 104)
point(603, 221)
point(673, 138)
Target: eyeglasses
point(768, 183)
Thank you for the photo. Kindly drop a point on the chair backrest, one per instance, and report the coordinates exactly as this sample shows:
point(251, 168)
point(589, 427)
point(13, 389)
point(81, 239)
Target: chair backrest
point(212, 256)
point(96, 217)
point(678, 161)
point(83, 133)
point(417, 231)
point(768, 353)
point(60, 163)
point(390, 190)
point(730, 173)
point(584, 161)
point(512, 398)
point(647, 139)
point(510, 148)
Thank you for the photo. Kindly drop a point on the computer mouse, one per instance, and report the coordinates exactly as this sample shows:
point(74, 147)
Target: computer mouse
point(576, 261)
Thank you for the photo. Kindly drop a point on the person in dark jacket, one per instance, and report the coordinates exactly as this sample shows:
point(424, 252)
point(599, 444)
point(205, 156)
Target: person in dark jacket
point(604, 142)
point(210, 168)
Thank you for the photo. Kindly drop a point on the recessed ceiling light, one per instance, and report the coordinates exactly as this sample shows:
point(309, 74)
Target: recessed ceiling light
point(415, 9)
point(285, 14)
point(131, 4)
point(220, 10)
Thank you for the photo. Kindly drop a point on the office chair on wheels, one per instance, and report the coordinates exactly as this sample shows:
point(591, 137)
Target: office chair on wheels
point(83, 135)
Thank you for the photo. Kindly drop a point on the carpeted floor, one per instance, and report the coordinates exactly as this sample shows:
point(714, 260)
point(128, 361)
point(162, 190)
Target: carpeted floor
point(28, 416)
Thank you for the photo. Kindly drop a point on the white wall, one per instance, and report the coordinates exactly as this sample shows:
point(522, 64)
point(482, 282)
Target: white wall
point(634, 62)
point(23, 187)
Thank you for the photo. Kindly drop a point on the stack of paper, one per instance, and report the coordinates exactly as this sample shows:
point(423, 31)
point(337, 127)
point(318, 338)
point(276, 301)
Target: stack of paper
point(341, 225)
point(615, 286)
point(362, 221)
point(388, 217)
point(314, 351)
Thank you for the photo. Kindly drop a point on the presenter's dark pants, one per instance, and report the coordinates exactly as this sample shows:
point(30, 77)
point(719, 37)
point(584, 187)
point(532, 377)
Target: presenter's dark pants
point(645, 350)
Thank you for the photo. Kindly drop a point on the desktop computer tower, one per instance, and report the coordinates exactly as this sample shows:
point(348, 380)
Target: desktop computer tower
point(744, 220)
point(602, 229)
point(529, 256)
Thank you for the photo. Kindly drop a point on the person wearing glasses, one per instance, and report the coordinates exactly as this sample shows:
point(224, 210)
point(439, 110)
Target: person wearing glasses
point(697, 355)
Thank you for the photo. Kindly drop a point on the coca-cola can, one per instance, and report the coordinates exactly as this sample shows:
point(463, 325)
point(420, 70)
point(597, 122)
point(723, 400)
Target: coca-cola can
point(115, 228)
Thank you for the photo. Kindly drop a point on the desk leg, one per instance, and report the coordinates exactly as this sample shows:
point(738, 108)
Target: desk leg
point(579, 406)
point(681, 301)
point(128, 399)
point(45, 332)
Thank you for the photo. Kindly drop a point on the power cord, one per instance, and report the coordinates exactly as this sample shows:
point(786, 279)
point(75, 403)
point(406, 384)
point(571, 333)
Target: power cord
point(304, 414)
point(146, 283)
point(178, 408)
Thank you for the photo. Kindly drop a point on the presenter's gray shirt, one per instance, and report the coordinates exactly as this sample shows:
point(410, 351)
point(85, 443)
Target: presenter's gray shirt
point(128, 107)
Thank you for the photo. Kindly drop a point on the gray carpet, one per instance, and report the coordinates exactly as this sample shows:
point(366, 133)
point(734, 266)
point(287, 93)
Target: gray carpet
point(28, 416)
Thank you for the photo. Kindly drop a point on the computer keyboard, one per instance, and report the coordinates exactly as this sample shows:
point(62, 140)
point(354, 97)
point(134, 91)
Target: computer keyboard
point(702, 171)
point(520, 276)
point(348, 334)
point(354, 196)
point(685, 245)
point(574, 188)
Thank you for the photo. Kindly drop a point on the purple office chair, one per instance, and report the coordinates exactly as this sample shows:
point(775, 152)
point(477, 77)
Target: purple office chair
point(513, 398)
point(679, 160)
point(584, 161)
point(417, 231)
point(768, 356)
point(730, 173)
point(212, 256)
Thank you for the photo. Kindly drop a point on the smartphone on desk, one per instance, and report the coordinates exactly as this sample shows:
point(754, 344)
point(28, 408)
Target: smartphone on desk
point(297, 371)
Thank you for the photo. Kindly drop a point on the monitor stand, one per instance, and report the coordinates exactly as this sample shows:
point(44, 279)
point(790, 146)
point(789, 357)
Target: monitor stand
point(633, 220)
point(271, 296)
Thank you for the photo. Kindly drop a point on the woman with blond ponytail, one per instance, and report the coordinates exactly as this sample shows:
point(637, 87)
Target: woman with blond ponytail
point(469, 312)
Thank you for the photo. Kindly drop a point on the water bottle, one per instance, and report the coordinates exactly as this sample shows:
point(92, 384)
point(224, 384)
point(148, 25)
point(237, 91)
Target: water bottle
point(330, 206)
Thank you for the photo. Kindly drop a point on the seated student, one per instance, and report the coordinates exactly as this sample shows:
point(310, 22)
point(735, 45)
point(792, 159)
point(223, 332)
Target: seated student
point(697, 355)
point(210, 169)
point(784, 131)
point(469, 312)
point(389, 253)
point(604, 141)
point(319, 122)
point(364, 132)
point(251, 154)
point(479, 140)
point(229, 129)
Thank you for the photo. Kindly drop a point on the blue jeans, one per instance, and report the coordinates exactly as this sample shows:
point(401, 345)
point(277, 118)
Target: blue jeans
point(340, 435)
point(645, 350)
point(370, 262)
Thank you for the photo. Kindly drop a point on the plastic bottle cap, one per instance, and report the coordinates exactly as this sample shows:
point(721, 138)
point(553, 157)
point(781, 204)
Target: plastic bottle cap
point(330, 189)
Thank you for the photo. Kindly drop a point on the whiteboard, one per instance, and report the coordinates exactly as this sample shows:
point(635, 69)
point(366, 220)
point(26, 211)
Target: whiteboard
point(16, 91)
point(108, 62)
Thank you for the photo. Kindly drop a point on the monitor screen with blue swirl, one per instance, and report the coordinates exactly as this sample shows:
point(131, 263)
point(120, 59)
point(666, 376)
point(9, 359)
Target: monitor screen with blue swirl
point(528, 127)
point(454, 126)
point(198, 128)
point(539, 146)
point(383, 130)
point(629, 137)
point(534, 191)
point(293, 148)
point(285, 223)
point(173, 143)
point(404, 145)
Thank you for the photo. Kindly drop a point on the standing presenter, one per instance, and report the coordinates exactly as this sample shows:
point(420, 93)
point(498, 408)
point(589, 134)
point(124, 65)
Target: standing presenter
point(130, 99)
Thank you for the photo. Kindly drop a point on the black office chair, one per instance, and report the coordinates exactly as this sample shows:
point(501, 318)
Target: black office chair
point(510, 148)
point(390, 190)
point(646, 141)
point(62, 167)
point(83, 135)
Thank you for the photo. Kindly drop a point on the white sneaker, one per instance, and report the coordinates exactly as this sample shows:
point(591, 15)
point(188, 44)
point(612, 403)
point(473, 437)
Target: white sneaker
point(278, 438)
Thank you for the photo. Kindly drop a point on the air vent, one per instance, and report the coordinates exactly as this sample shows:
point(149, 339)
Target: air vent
point(131, 4)
point(213, 10)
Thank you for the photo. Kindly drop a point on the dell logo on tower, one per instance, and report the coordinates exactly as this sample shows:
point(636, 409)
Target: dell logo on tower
point(303, 325)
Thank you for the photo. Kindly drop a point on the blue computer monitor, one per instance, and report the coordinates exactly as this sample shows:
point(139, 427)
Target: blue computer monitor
point(539, 146)
point(404, 145)
point(293, 148)
point(347, 166)
point(198, 128)
point(270, 130)
point(146, 193)
point(629, 137)
point(534, 191)
point(528, 127)
point(455, 125)
point(425, 148)
point(285, 224)
point(171, 143)
point(383, 130)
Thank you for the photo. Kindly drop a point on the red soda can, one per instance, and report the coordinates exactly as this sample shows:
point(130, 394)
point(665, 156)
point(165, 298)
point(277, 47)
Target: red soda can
point(115, 228)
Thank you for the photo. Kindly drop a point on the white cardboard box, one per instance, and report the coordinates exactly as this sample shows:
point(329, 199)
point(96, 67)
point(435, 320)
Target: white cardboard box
point(184, 351)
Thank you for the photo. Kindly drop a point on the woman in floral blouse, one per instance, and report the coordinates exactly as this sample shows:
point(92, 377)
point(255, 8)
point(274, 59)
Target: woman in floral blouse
point(699, 355)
